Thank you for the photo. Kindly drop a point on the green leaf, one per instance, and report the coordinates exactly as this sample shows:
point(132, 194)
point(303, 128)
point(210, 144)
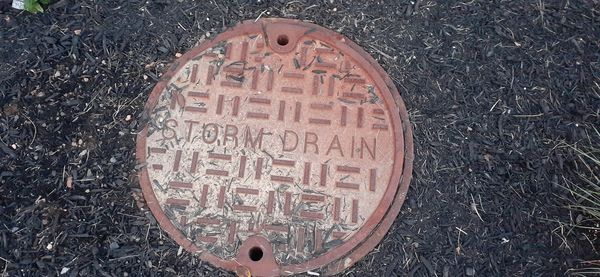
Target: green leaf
point(38, 8)
point(44, 2)
point(33, 6)
point(29, 5)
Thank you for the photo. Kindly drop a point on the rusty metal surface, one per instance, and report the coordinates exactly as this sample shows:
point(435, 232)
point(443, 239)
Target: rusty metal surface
point(276, 148)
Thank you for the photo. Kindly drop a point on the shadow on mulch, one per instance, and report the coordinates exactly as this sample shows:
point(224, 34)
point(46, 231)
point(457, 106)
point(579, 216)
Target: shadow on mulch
point(492, 89)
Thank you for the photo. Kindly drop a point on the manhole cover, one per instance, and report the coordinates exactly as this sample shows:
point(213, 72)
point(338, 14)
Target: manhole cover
point(276, 148)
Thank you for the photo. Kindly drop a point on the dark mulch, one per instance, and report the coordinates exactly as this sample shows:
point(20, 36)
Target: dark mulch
point(495, 89)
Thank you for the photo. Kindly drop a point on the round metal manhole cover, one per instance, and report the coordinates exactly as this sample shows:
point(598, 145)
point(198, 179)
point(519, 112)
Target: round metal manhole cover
point(276, 148)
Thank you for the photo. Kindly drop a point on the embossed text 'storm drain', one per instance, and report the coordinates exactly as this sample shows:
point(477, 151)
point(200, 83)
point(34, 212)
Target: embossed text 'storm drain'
point(276, 148)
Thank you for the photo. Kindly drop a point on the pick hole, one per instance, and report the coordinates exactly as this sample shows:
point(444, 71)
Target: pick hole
point(255, 254)
point(283, 40)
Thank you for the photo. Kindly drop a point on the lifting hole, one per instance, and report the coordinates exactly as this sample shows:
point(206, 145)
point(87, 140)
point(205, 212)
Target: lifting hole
point(283, 40)
point(255, 253)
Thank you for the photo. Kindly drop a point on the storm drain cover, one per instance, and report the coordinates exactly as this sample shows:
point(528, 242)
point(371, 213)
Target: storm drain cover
point(276, 148)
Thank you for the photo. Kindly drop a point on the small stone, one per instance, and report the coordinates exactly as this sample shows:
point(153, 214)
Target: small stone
point(64, 270)
point(113, 160)
point(77, 32)
point(113, 245)
point(470, 271)
point(177, 55)
point(70, 182)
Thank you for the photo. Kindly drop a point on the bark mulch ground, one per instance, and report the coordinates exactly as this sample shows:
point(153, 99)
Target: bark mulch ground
point(495, 91)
